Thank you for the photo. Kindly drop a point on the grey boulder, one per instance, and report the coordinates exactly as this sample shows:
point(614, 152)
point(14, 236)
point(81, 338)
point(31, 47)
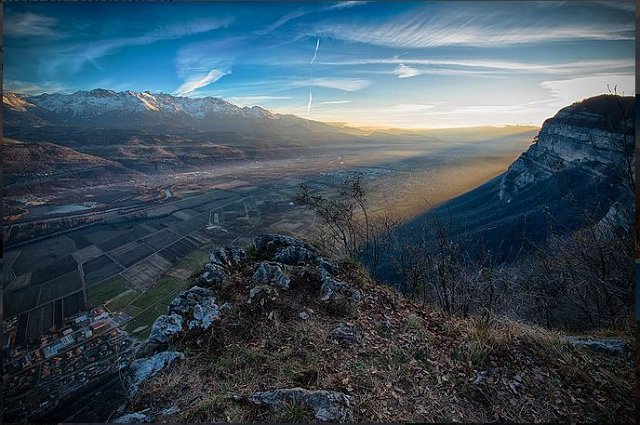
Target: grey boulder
point(164, 328)
point(327, 406)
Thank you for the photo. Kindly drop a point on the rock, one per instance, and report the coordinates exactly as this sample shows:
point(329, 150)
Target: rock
point(610, 346)
point(214, 274)
point(346, 335)
point(143, 369)
point(226, 307)
point(227, 257)
point(327, 266)
point(589, 136)
point(164, 328)
point(197, 305)
point(169, 411)
point(327, 406)
point(133, 418)
point(294, 254)
point(285, 249)
point(333, 290)
point(258, 293)
point(303, 315)
point(267, 272)
point(221, 261)
point(480, 377)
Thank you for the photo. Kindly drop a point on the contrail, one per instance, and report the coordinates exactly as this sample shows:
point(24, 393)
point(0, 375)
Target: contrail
point(309, 104)
point(313, 59)
point(315, 54)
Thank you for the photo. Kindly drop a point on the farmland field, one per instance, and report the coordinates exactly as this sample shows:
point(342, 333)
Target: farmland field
point(164, 287)
point(57, 288)
point(99, 294)
point(121, 301)
point(42, 254)
point(61, 267)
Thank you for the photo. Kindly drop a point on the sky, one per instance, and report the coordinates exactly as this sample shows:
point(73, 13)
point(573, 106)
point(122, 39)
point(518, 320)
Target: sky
point(379, 63)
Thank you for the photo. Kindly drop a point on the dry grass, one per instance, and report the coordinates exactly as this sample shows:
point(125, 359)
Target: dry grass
point(413, 364)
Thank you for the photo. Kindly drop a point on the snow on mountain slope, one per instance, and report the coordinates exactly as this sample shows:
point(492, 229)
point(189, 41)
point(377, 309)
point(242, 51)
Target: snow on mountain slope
point(97, 102)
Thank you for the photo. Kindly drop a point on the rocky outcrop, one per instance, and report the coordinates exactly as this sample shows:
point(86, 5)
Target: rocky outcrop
point(327, 406)
point(336, 291)
point(164, 328)
point(143, 369)
point(270, 272)
point(609, 346)
point(196, 307)
point(260, 293)
point(285, 249)
point(133, 418)
point(222, 261)
point(346, 335)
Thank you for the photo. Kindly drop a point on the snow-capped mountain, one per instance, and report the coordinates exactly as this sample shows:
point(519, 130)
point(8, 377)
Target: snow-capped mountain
point(100, 102)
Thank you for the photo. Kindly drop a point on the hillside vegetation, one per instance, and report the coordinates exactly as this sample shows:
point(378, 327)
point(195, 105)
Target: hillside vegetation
point(296, 338)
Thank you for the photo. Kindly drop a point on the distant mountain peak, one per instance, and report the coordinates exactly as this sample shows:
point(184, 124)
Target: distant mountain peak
point(98, 102)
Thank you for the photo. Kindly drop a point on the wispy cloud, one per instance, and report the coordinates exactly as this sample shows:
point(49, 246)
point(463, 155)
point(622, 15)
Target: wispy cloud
point(195, 83)
point(574, 89)
point(254, 100)
point(72, 58)
point(32, 25)
point(333, 102)
point(473, 25)
point(405, 71)
point(346, 5)
point(285, 19)
point(346, 84)
point(26, 87)
point(410, 108)
point(404, 65)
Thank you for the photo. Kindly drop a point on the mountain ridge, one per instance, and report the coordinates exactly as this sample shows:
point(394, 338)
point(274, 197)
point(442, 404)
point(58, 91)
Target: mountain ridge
point(573, 158)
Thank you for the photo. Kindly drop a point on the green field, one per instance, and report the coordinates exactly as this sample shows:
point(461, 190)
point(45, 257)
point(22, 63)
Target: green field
point(121, 301)
point(194, 260)
point(99, 294)
point(164, 287)
point(145, 319)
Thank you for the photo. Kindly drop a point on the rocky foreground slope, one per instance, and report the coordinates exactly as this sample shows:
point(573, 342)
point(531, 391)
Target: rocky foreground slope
point(279, 333)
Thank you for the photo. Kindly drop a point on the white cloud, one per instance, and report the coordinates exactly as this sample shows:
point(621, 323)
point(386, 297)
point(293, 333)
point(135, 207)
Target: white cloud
point(195, 83)
point(575, 89)
point(405, 71)
point(346, 4)
point(333, 102)
point(410, 108)
point(474, 25)
point(72, 58)
point(253, 100)
point(487, 65)
point(31, 25)
point(346, 84)
point(26, 87)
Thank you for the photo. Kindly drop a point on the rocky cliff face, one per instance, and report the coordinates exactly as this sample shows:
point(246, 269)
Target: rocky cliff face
point(576, 173)
point(592, 137)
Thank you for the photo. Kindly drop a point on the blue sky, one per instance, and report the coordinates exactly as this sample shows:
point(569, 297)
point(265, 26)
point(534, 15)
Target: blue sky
point(400, 64)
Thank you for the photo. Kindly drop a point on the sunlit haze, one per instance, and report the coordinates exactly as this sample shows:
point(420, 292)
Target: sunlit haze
point(407, 64)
